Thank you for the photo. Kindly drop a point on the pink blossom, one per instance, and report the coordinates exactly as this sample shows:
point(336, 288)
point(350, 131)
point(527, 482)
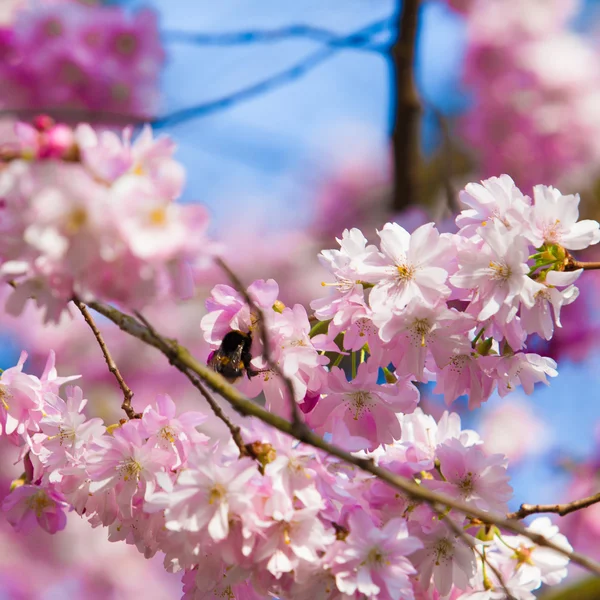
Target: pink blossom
point(528, 432)
point(408, 267)
point(66, 432)
point(206, 496)
point(366, 408)
point(343, 264)
point(473, 476)
point(445, 560)
point(175, 434)
point(20, 400)
point(522, 368)
point(419, 330)
point(227, 309)
point(545, 313)
point(496, 199)
point(127, 464)
point(497, 270)
point(28, 504)
point(464, 374)
point(554, 221)
point(373, 561)
point(543, 564)
point(295, 536)
point(97, 57)
point(422, 435)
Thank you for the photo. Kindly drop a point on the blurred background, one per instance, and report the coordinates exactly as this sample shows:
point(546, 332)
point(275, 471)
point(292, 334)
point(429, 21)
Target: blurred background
point(295, 121)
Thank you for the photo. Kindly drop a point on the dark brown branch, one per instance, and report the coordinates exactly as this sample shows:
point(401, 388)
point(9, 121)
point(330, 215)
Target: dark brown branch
point(266, 342)
point(167, 349)
point(181, 358)
point(405, 133)
point(560, 509)
point(573, 265)
point(112, 367)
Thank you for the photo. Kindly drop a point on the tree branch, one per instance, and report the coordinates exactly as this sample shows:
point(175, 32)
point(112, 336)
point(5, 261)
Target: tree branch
point(112, 367)
point(241, 38)
point(573, 265)
point(266, 342)
point(405, 133)
point(357, 39)
point(181, 358)
point(560, 509)
point(270, 83)
point(166, 348)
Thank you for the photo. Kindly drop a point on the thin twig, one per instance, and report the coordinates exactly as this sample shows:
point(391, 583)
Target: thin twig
point(574, 265)
point(181, 359)
point(266, 342)
point(560, 509)
point(359, 38)
point(270, 83)
point(242, 38)
point(447, 165)
point(112, 366)
point(166, 348)
point(467, 540)
point(405, 133)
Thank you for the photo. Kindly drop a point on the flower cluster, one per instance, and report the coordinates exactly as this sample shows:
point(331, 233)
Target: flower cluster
point(457, 309)
point(93, 214)
point(93, 57)
point(289, 522)
point(535, 88)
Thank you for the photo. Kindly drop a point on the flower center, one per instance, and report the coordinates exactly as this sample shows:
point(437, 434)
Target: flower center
point(216, 494)
point(421, 328)
point(38, 502)
point(167, 434)
point(405, 272)
point(457, 362)
point(500, 271)
point(286, 534)
point(4, 394)
point(130, 469)
point(376, 557)
point(158, 216)
point(551, 233)
point(342, 284)
point(466, 485)
point(65, 434)
point(523, 556)
point(125, 44)
point(359, 403)
point(77, 219)
point(443, 550)
point(364, 326)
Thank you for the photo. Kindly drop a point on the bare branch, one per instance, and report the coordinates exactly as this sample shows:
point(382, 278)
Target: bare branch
point(264, 334)
point(166, 348)
point(241, 38)
point(181, 358)
point(560, 509)
point(112, 367)
point(270, 83)
point(405, 134)
point(574, 265)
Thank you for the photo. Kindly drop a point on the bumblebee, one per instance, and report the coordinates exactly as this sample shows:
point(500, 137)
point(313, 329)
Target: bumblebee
point(233, 357)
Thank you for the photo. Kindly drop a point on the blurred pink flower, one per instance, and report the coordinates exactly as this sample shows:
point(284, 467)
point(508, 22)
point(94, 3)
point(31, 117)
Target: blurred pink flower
point(76, 55)
point(514, 429)
point(28, 504)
